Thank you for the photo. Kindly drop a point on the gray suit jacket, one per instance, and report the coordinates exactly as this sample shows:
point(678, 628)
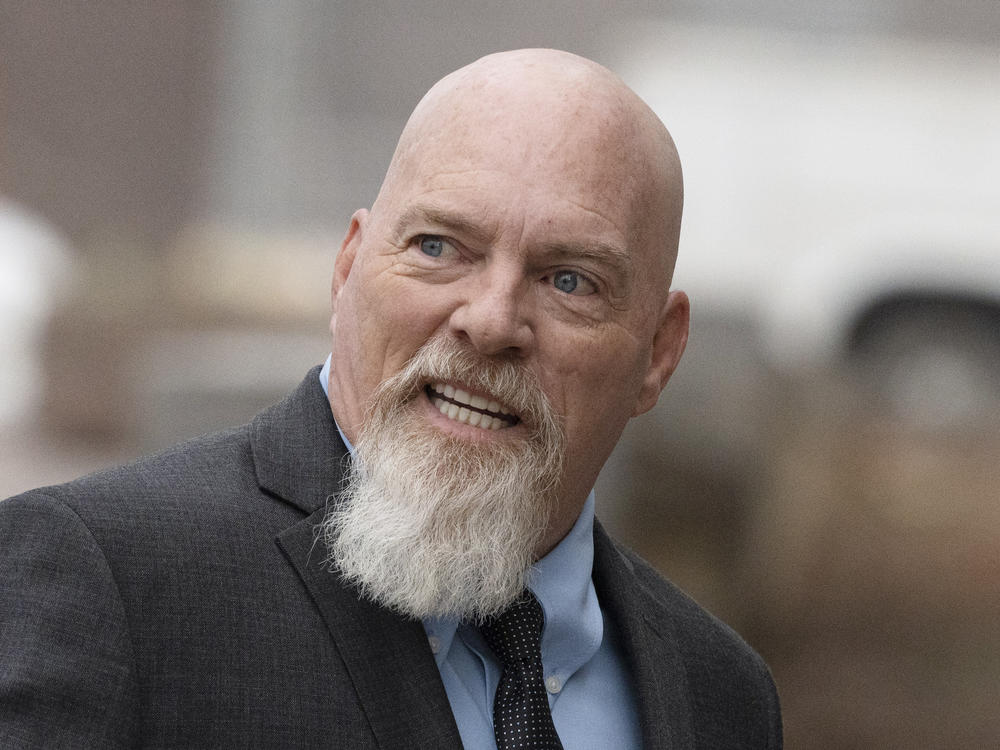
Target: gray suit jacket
point(182, 601)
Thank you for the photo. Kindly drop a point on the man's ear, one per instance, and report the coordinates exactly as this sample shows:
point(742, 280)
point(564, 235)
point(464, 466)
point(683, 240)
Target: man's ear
point(348, 250)
point(345, 260)
point(669, 341)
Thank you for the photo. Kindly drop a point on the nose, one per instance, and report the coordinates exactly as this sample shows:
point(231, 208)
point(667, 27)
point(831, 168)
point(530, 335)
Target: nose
point(494, 314)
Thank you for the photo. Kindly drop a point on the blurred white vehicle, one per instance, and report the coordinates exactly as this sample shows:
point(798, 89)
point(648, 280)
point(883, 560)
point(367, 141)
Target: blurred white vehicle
point(843, 194)
point(34, 270)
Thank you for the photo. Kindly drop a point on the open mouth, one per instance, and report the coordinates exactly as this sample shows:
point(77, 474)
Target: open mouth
point(469, 409)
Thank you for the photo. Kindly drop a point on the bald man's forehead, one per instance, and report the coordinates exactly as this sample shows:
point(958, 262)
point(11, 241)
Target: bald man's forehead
point(590, 141)
point(559, 123)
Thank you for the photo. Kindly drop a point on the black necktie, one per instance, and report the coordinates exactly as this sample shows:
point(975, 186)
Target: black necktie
point(521, 716)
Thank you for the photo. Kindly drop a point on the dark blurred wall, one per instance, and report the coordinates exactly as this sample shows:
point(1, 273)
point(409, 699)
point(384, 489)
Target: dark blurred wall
point(104, 112)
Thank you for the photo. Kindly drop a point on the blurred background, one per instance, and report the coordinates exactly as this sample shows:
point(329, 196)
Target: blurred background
point(822, 472)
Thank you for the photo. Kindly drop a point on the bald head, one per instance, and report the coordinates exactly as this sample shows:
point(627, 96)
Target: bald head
point(548, 112)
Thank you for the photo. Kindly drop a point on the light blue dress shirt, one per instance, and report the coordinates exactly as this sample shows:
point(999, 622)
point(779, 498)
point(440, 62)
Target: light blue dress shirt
point(590, 693)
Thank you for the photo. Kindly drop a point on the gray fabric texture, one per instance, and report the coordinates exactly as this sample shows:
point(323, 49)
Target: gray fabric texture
point(183, 601)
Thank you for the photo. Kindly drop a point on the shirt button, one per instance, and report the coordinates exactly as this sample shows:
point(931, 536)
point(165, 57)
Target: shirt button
point(553, 684)
point(435, 643)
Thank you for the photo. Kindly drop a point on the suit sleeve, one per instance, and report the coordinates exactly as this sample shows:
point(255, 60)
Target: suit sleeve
point(67, 676)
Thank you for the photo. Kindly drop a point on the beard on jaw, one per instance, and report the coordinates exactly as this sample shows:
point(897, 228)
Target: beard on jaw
point(432, 525)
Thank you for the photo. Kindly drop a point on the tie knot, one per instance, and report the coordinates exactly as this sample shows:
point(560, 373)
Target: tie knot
point(516, 633)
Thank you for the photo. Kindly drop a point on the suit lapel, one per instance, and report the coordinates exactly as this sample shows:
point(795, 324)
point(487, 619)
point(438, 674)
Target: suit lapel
point(300, 458)
point(650, 645)
point(387, 656)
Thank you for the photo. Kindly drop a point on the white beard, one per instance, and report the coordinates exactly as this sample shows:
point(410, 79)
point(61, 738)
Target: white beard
point(433, 525)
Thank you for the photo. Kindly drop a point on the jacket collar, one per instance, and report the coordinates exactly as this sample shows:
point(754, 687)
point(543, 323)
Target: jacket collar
point(297, 453)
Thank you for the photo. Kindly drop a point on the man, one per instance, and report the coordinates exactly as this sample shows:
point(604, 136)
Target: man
point(341, 571)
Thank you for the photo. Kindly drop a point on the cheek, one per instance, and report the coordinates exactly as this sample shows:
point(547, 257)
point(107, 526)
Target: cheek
point(397, 317)
point(595, 383)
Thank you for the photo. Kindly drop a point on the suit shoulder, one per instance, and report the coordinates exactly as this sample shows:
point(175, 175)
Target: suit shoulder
point(205, 453)
point(209, 468)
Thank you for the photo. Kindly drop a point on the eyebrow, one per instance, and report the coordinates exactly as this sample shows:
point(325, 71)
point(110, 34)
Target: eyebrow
point(439, 217)
point(600, 253)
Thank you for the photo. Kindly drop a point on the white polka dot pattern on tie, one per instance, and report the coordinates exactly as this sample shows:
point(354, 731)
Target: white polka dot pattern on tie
point(521, 716)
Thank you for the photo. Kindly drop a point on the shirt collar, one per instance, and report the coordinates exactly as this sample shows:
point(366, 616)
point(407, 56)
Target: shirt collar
point(562, 582)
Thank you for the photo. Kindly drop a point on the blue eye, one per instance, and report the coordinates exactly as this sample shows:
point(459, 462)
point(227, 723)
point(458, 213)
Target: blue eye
point(566, 281)
point(432, 246)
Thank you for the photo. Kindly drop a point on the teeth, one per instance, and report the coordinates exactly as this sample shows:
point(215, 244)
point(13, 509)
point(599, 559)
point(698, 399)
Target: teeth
point(476, 402)
point(465, 415)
